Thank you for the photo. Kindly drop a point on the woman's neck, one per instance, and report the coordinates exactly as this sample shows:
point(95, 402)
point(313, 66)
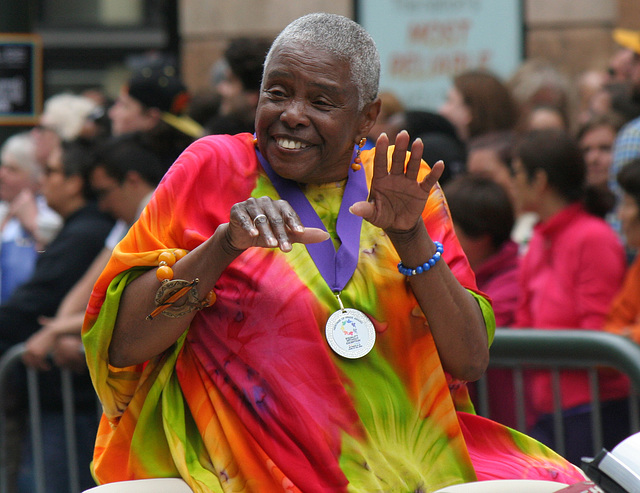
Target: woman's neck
point(550, 205)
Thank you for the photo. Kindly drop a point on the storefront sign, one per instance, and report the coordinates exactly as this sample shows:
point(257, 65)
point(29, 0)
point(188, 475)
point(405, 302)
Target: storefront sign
point(424, 43)
point(20, 78)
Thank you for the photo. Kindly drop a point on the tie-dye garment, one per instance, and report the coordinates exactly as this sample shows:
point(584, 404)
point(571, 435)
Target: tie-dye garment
point(251, 398)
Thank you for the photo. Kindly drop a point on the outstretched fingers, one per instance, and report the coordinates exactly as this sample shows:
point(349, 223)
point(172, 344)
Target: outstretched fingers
point(381, 166)
point(433, 176)
point(380, 160)
point(264, 222)
point(413, 165)
point(399, 153)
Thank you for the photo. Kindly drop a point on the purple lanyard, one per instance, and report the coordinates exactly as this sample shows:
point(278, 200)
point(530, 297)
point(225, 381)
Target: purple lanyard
point(336, 268)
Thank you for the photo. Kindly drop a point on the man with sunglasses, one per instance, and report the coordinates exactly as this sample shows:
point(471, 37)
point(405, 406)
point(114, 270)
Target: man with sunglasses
point(65, 186)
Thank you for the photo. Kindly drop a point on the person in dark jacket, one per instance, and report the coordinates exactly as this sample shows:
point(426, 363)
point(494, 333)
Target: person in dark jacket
point(66, 188)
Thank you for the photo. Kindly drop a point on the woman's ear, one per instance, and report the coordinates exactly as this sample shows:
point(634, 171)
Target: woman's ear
point(540, 180)
point(369, 116)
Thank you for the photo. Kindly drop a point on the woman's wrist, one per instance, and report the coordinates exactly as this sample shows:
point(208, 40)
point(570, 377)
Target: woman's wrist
point(406, 235)
point(225, 242)
point(414, 246)
point(410, 239)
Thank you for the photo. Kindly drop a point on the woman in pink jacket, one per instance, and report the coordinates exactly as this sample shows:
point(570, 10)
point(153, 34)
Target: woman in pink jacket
point(572, 269)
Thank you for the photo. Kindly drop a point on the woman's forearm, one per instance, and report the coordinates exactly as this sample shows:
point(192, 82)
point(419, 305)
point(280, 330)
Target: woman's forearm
point(454, 317)
point(135, 338)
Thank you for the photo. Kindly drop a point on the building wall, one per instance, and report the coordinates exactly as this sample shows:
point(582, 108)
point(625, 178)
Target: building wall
point(206, 25)
point(574, 36)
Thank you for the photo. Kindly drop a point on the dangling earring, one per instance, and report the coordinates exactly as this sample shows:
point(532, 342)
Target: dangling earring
point(357, 162)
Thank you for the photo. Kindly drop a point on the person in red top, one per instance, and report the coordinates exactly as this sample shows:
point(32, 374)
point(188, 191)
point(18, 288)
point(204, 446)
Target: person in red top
point(573, 268)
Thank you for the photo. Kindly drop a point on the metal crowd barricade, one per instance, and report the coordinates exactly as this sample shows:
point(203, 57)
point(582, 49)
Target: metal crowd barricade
point(10, 361)
point(556, 350)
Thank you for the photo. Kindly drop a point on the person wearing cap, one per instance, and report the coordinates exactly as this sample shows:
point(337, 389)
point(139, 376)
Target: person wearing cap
point(627, 143)
point(154, 102)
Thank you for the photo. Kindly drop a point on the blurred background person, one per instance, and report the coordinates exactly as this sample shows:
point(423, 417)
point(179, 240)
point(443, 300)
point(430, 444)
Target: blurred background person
point(66, 189)
point(623, 317)
point(440, 138)
point(538, 82)
point(596, 137)
point(587, 84)
point(620, 65)
point(123, 179)
point(236, 77)
point(492, 156)
point(390, 119)
point(479, 103)
point(20, 206)
point(543, 116)
point(154, 102)
point(65, 117)
point(483, 217)
point(627, 145)
point(204, 105)
point(613, 97)
point(572, 269)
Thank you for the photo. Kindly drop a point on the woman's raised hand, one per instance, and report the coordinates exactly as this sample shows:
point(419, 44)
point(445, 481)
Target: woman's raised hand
point(268, 223)
point(397, 199)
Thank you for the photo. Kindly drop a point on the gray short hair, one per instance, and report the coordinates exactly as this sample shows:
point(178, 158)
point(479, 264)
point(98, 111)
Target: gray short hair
point(344, 39)
point(20, 149)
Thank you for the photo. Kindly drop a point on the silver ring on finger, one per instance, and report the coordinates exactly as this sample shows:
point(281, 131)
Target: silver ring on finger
point(262, 218)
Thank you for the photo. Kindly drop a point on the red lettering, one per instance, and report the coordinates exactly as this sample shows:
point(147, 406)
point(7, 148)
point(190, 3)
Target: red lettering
point(437, 33)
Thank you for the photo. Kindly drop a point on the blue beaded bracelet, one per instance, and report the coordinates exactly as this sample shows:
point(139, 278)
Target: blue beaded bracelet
point(424, 267)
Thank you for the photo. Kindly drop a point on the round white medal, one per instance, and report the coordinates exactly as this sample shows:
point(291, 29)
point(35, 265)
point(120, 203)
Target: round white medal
point(350, 333)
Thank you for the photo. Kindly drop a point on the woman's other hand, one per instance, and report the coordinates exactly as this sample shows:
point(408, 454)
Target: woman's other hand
point(268, 223)
point(397, 199)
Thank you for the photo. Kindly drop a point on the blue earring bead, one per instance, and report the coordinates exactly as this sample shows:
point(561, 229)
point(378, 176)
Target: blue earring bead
point(406, 271)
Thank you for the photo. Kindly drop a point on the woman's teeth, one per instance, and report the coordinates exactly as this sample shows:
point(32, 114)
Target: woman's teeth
point(291, 144)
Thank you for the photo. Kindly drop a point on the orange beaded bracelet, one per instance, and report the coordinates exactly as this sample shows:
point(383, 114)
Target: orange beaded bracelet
point(171, 290)
point(166, 260)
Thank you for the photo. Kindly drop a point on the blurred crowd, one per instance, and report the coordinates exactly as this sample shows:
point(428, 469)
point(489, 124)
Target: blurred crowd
point(542, 178)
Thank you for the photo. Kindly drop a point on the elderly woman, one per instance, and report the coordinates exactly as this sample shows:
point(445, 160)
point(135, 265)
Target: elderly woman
point(299, 359)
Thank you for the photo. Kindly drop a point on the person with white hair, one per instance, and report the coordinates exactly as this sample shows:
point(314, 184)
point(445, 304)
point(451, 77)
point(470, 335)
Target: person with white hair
point(65, 118)
point(21, 211)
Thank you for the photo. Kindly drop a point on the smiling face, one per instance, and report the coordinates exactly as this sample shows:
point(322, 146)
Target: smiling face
point(308, 121)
